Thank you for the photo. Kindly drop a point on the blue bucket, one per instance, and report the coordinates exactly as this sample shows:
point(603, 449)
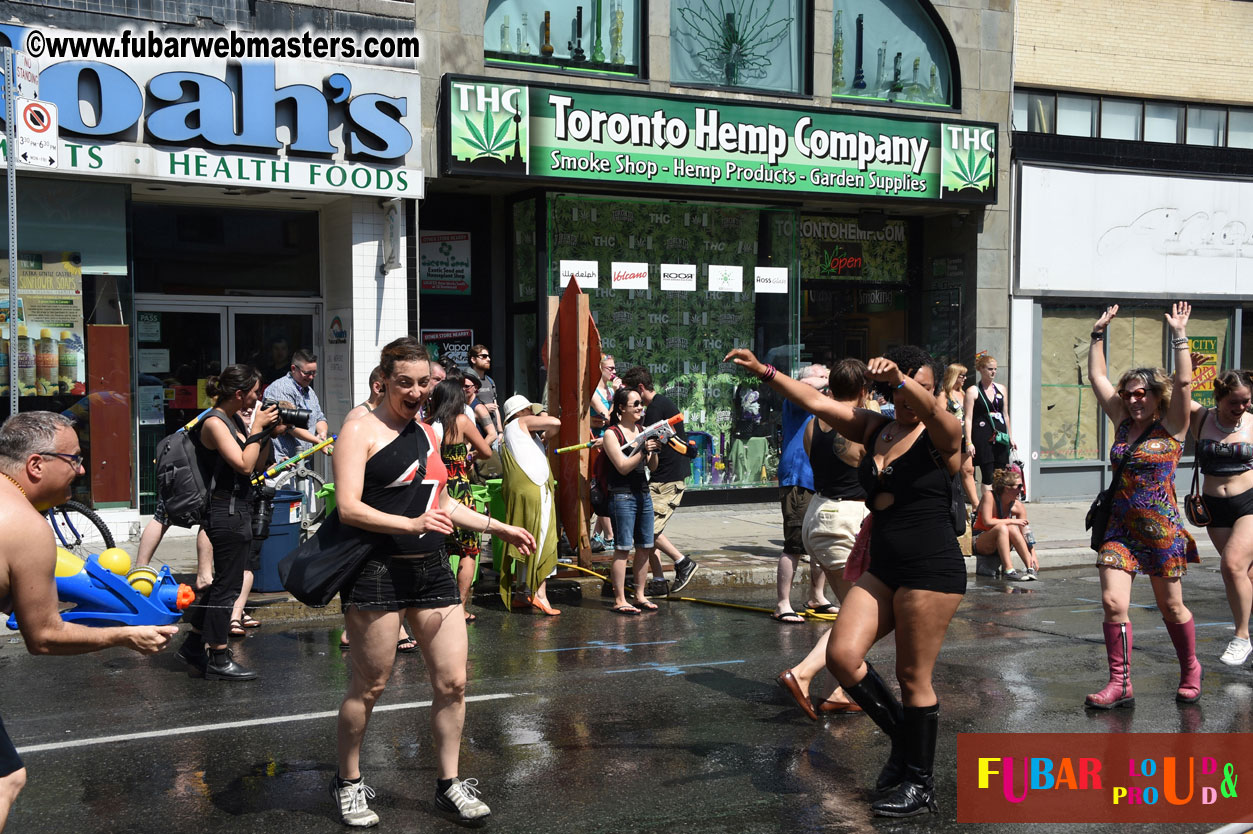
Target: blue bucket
point(284, 538)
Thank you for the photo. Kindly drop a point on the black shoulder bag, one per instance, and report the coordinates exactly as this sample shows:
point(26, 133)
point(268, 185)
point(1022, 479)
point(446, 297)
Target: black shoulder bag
point(1102, 507)
point(316, 570)
point(956, 500)
point(1194, 503)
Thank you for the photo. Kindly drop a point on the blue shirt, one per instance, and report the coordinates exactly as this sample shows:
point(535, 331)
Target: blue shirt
point(794, 469)
point(286, 389)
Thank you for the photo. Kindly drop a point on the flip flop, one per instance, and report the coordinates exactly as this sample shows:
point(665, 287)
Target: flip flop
point(249, 621)
point(829, 608)
point(405, 645)
point(471, 617)
point(237, 629)
point(783, 618)
point(646, 605)
point(626, 611)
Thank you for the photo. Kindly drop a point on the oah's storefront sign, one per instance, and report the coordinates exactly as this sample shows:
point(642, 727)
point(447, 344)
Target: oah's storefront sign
point(295, 124)
point(577, 133)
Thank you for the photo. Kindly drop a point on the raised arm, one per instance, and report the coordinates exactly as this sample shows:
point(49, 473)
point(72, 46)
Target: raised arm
point(1177, 416)
point(468, 430)
point(1110, 402)
point(540, 424)
point(943, 428)
point(850, 422)
point(218, 436)
point(484, 418)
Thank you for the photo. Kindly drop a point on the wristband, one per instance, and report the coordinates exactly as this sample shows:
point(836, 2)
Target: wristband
point(902, 385)
point(1180, 342)
point(489, 525)
point(769, 372)
point(1097, 336)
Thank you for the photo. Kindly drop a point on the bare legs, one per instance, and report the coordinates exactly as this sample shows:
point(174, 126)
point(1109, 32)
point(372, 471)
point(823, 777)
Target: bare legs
point(1236, 546)
point(441, 634)
point(1000, 540)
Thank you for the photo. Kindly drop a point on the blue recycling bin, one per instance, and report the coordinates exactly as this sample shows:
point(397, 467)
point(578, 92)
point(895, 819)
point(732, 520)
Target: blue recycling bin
point(284, 538)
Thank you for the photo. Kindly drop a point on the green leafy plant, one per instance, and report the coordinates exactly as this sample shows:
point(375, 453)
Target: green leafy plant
point(489, 140)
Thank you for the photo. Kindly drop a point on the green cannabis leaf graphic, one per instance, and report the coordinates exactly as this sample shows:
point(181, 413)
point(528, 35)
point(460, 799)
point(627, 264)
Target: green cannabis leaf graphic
point(974, 173)
point(489, 140)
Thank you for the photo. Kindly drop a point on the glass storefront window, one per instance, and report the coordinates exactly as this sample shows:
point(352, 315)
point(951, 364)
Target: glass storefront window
point(1163, 123)
point(1076, 115)
point(1121, 119)
point(598, 36)
point(1240, 129)
point(1069, 413)
point(195, 250)
point(758, 46)
point(1207, 126)
point(890, 51)
point(707, 257)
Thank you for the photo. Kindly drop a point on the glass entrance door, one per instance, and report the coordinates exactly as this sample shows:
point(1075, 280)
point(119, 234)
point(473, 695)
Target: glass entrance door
point(181, 344)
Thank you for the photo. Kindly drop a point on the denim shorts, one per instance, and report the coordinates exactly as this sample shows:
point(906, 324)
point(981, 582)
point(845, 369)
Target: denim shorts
point(631, 514)
point(394, 583)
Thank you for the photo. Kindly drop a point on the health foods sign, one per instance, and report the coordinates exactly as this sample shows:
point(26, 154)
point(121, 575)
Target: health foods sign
point(576, 134)
point(302, 125)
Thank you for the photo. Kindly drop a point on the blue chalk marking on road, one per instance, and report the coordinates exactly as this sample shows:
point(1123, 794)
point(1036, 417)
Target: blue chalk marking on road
point(605, 644)
point(670, 669)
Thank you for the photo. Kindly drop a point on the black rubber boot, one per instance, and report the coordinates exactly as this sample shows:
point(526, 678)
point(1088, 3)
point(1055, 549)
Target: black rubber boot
point(877, 701)
point(192, 653)
point(222, 667)
point(915, 795)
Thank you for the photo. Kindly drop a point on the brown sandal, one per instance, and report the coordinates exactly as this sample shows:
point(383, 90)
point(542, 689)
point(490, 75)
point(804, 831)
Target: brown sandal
point(237, 629)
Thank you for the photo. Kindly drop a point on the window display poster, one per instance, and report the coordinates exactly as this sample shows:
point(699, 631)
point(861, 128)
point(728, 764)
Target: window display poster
point(587, 273)
point(678, 277)
point(449, 345)
point(337, 363)
point(1205, 372)
point(726, 278)
point(629, 276)
point(770, 279)
point(148, 327)
point(444, 263)
point(50, 307)
point(151, 402)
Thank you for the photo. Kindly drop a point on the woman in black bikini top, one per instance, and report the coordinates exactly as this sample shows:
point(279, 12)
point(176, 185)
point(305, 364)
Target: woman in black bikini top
point(914, 556)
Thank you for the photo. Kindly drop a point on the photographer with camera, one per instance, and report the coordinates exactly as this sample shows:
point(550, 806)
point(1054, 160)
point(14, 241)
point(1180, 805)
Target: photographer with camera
point(232, 454)
point(306, 419)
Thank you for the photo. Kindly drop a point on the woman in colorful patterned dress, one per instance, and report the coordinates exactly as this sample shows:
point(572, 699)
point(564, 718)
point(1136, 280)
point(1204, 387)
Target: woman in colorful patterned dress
point(1145, 533)
point(458, 434)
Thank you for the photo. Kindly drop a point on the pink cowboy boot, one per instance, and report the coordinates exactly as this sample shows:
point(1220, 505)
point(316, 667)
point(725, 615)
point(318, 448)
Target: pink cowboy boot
point(1118, 692)
point(1183, 635)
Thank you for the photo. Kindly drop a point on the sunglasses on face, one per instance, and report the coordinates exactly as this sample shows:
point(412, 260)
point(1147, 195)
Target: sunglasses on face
point(482, 356)
point(1138, 394)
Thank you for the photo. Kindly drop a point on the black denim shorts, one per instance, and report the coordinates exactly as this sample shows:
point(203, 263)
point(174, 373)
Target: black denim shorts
point(393, 583)
point(10, 762)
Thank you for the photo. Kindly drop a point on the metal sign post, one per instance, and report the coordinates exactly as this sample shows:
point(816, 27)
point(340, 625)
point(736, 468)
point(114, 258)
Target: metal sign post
point(10, 138)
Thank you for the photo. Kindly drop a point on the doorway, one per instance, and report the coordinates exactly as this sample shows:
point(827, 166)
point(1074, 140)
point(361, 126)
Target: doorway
point(181, 343)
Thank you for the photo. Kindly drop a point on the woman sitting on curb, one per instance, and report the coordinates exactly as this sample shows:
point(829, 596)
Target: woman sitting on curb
point(1001, 525)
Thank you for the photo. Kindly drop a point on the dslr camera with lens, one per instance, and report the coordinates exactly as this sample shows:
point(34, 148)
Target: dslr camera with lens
point(289, 416)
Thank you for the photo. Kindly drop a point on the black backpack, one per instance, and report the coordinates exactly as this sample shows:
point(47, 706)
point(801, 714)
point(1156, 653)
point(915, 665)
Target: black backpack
point(183, 485)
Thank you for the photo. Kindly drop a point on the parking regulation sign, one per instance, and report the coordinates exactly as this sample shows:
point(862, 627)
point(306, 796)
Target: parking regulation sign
point(36, 133)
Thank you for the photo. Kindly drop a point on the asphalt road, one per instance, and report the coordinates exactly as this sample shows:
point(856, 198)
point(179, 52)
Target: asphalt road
point(588, 722)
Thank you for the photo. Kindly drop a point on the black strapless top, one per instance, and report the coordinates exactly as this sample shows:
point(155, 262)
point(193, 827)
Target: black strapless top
point(1223, 459)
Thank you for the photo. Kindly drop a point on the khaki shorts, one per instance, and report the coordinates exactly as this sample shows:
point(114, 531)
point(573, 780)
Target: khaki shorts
point(666, 499)
point(830, 528)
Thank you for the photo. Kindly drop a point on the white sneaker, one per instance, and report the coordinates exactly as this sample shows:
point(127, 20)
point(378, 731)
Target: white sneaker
point(350, 799)
point(462, 799)
point(1237, 651)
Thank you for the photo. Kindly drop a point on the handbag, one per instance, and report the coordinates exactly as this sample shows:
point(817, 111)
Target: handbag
point(1194, 503)
point(332, 557)
point(859, 556)
point(956, 500)
point(1097, 519)
point(316, 570)
point(1001, 437)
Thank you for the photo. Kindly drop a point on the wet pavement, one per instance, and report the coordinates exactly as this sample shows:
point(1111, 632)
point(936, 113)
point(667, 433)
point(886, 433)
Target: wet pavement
point(588, 722)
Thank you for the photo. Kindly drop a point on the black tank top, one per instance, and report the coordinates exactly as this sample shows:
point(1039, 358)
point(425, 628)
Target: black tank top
point(634, 481)
point(225, 478)
point(405, 477)
point(833, 478)
point(911, 478)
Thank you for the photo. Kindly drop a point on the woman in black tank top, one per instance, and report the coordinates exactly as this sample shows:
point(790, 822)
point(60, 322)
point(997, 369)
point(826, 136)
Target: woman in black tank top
point(916, 567)
point(231, 457)
point(389, 482)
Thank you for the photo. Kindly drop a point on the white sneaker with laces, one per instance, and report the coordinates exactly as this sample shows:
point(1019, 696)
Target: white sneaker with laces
point(1237, 651)
point(350, 799)
point(462, 799)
